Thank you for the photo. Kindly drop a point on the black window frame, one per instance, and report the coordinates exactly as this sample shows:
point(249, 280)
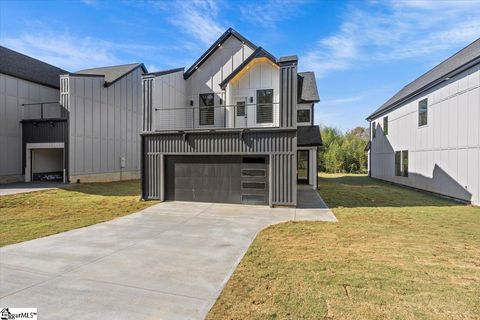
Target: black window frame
point(308, 112)
point(423, 112)
point(264, 113)
point(385, 125)
point(374, 130)
point(405, 163)
point(240, 110)
point(206, 113)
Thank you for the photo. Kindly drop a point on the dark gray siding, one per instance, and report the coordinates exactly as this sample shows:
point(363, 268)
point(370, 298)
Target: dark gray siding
point(288, 93)
point(279, 145)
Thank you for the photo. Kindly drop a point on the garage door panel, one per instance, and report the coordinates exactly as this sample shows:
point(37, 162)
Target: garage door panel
point(215, 179)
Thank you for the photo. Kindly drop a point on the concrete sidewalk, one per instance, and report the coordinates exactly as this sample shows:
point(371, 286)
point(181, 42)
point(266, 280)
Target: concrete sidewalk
point(24, 187)
point(170, 261)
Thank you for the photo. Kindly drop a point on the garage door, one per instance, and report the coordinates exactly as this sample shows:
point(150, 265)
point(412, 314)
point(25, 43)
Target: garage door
point(227, 179)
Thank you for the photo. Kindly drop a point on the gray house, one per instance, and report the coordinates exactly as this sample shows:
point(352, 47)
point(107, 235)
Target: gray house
point(70, 127)
point(235, 127)
point(427, 136)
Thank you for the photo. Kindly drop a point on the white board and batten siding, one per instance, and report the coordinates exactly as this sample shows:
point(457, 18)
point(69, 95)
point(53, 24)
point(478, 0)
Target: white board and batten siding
point(444, 155)
point(13, 93)
point(105, 123)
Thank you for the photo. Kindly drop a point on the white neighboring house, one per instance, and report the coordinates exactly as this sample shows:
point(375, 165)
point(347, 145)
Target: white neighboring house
point(427, 136)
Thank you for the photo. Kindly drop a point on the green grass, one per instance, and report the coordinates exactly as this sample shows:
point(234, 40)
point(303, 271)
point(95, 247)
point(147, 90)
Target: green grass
point(394, 254)
point(37, 214)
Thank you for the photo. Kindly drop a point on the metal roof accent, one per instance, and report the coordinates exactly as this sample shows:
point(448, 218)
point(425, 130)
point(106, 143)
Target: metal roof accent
point(307, 87)
point(163, 72)
point(111, 73)
point(214, 47)
point(258, 53)
point(467, 57)
point(309, 136)
point(21, 66)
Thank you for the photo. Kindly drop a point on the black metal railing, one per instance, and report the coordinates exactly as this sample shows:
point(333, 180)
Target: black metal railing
point(44, 110)
point(241, 115)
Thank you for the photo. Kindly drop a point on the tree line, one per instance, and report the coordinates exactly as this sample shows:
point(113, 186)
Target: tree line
point(343, 152)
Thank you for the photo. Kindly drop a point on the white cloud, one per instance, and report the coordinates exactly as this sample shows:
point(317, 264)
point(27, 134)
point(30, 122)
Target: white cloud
point(390, 31)
point(197, 18)
point(268, 13)
point(71, 52)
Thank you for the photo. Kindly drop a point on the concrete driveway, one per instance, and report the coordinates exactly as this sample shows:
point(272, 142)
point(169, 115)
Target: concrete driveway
point(169, 261)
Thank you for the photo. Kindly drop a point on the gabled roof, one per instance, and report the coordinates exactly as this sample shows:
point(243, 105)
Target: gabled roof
point(27, 68)
point(466, 57)
point(309, 136)
point(214, 47)
point(307, 87)
point(163, 72)
point(112, 73)
point(258, 53)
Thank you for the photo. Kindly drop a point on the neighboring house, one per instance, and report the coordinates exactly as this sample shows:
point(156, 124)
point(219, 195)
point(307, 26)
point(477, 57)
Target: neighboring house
point(427, 136)
point(235, 127)
point(91, 135)
point(24, 80)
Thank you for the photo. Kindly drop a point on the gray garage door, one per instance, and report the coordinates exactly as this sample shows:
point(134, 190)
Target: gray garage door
point(227, 179)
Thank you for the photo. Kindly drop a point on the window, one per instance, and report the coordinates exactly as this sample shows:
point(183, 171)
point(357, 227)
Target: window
point(303, 115)
point(401, 163)
point(265, 106)
point(405, 163)
point(207, 110)
point(374, 130)
point(240, 108)
point(253, 173)
point(385, 125)
point(422, 112)
point(253, 185)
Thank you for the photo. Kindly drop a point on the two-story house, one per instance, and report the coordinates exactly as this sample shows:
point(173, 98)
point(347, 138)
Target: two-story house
point(70, 127)
point(235, 127)
point(427, 136)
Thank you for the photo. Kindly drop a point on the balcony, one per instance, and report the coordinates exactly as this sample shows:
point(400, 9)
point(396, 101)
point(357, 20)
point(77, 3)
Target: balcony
point(240, 115)
point(43, 111)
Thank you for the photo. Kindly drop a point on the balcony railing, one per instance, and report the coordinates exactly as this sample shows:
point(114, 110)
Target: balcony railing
point(43, 110)
point(227, 116)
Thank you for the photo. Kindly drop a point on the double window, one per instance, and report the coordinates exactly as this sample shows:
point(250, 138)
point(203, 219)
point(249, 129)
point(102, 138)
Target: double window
point(265, 106)
point(423, 112)
point(303, 115)
point(401, 163)
point(207, 111)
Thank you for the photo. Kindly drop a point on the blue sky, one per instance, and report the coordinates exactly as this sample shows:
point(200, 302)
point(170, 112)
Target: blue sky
point(361, 51)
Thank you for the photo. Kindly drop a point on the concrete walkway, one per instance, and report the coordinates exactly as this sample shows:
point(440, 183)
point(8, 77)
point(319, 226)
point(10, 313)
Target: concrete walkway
point(169, 261)
point(24, 187)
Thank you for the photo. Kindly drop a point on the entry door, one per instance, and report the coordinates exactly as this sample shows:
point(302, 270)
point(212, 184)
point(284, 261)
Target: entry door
point(241, 112)
point(303, 166)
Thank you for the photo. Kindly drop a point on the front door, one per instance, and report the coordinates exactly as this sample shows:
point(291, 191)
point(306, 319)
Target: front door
point(303, 166)
point(241, 112)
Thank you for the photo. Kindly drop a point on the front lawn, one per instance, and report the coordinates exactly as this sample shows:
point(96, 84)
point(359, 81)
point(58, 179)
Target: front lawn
point(42, 213)
point(394, 254)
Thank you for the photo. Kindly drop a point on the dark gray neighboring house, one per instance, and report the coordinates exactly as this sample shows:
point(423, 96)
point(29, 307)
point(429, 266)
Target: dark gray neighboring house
point(70, 127)
point(236, 127)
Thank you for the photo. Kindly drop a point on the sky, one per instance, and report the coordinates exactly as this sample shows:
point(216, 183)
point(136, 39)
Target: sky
point(362, 52)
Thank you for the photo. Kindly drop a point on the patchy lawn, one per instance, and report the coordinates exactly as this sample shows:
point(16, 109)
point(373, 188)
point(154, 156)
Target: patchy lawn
point(42, 213)
point(394, 254)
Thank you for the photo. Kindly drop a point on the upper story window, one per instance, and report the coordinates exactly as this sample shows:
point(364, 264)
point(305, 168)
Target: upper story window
point(265, 106)
point(374, 130)
point(303, 115)
point(422, 112)
point(385, 125)
point(206, 109)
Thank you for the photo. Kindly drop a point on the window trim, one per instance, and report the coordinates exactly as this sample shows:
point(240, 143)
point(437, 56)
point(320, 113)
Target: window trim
point(309, 115)
point(259, 106)
point(207, 109)
point(420, 124)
